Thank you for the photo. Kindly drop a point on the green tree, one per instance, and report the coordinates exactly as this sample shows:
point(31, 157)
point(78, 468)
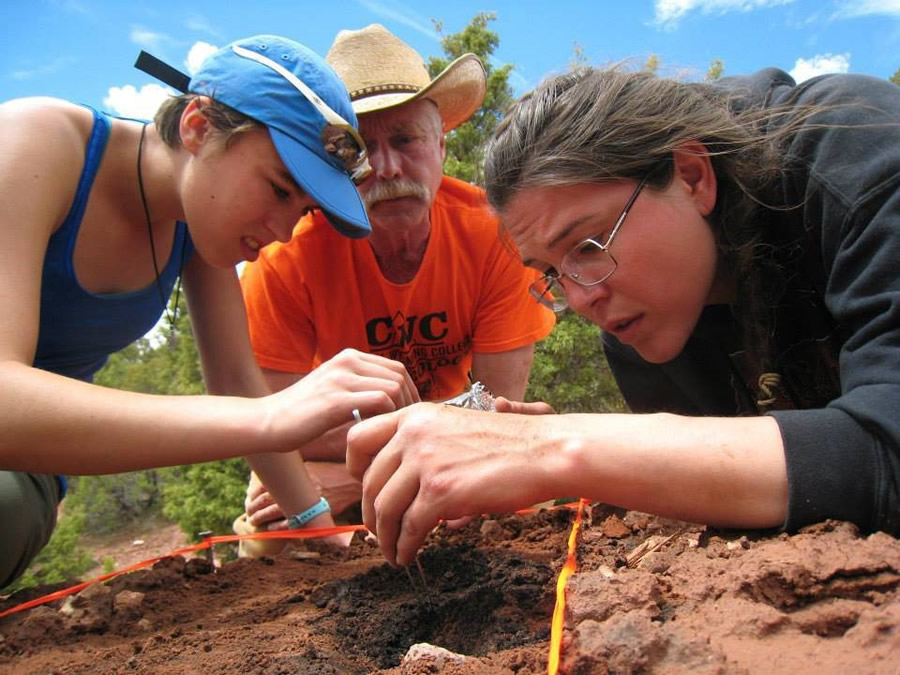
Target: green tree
point(715, 70)
point(579, 58)
point(112, 501)
point(651, 65)
point(570, 370)
point(465, 144)
point(207, 496)
point(895, 78)
point(167, 363)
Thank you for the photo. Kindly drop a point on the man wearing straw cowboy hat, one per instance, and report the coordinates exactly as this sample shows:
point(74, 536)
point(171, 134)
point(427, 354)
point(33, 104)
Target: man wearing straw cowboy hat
point(432, 286)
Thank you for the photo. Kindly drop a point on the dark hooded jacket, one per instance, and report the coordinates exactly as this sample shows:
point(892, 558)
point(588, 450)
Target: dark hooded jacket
point(835, 328)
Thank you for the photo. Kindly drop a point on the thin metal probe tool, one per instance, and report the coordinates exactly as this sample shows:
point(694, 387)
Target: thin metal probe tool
point(421, 573)
point(420, 588)
point(424, 589)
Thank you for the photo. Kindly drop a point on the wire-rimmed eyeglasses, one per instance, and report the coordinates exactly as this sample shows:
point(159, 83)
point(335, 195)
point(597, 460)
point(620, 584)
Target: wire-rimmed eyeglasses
point(588, 263)
point(339, 137)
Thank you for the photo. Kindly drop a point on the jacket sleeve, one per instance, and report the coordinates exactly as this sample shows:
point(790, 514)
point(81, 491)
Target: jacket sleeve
point(843, 460)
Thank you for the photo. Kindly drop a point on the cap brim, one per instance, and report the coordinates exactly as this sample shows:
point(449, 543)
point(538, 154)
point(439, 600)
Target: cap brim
point(332, 188)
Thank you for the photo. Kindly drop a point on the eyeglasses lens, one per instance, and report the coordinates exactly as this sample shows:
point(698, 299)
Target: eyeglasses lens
point(550, 293)
point(589, 263)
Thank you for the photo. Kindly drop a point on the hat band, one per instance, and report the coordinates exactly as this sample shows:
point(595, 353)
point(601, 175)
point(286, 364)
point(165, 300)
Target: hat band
point(384, 89)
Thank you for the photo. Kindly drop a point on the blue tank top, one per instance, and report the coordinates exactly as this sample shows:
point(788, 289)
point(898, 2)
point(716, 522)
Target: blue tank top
point(78, 329)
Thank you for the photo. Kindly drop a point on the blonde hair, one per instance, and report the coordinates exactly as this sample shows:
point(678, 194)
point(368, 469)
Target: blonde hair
point(225, 119)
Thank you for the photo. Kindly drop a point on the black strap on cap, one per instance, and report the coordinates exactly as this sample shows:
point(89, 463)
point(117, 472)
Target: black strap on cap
point(162, 71)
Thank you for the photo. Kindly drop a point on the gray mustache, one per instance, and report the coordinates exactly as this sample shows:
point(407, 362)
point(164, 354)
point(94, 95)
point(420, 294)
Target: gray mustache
point(395, 189)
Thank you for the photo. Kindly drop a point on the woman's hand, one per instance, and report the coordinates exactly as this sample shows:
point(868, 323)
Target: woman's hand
point(432, 462)
point(326, 397)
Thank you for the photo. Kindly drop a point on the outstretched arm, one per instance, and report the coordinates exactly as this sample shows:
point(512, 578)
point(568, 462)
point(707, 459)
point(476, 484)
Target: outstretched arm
point(430, 463)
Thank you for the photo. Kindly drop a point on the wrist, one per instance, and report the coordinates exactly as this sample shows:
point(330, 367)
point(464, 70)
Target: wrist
point(305, 517)
point(322, 520)
point(567, 466)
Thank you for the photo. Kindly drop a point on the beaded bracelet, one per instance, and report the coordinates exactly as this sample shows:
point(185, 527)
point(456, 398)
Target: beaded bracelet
point(298, 520)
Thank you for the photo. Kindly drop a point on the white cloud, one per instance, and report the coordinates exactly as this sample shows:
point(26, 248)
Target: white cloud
point(201, 24)
point(197, 54)
point(669, 12)
point(40, 71)
point(848, 9)
point(128, 101)
point(396, 11)
point(819, 65)
point(147, 39)
point(70, 6)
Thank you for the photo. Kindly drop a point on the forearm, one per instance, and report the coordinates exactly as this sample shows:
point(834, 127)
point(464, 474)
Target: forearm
point(722, 471)
point(283, 473)
point(286, 479)
point(504, 373)
point(430, 463)
point(53, 424)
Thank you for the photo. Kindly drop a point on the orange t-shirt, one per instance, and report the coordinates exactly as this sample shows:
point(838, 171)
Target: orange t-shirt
point(322, 292)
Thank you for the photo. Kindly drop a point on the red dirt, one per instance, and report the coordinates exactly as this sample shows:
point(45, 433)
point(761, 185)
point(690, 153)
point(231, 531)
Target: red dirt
point(133, 543)
point(702, 601)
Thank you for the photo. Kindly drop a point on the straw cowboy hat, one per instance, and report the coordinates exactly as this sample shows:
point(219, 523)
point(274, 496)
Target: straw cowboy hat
point(381, 71)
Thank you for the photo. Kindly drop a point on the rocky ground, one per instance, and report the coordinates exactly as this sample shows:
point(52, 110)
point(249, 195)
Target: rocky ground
point(650, 596)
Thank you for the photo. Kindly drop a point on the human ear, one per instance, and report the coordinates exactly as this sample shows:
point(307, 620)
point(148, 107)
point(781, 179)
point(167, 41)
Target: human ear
point(694, 169)
point(194, 127)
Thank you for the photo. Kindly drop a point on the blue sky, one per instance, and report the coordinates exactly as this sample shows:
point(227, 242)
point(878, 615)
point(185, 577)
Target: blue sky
point(84, 50)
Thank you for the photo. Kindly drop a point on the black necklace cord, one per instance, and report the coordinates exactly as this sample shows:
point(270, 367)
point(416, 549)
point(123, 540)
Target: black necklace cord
point(162, 296)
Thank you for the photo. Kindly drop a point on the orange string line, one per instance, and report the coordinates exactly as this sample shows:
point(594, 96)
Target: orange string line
point(207, 543)
point(559, 610)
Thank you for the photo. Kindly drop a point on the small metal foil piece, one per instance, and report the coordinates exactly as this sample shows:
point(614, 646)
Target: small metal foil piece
point(477, 398)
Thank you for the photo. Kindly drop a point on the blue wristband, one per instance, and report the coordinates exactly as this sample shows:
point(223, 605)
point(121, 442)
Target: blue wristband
point(297, 521)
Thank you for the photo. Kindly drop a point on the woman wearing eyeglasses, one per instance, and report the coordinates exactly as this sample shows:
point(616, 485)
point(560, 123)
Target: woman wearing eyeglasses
point(738, 243)
point(101, 215)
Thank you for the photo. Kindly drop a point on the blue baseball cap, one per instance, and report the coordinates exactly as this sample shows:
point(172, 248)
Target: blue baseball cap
point(292, 91)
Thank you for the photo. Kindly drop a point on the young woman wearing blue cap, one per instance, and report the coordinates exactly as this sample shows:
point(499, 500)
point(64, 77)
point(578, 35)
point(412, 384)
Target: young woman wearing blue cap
point(100, 216)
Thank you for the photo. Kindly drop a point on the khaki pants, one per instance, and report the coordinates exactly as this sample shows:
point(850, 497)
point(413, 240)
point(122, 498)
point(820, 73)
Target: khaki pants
point(28, 504)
